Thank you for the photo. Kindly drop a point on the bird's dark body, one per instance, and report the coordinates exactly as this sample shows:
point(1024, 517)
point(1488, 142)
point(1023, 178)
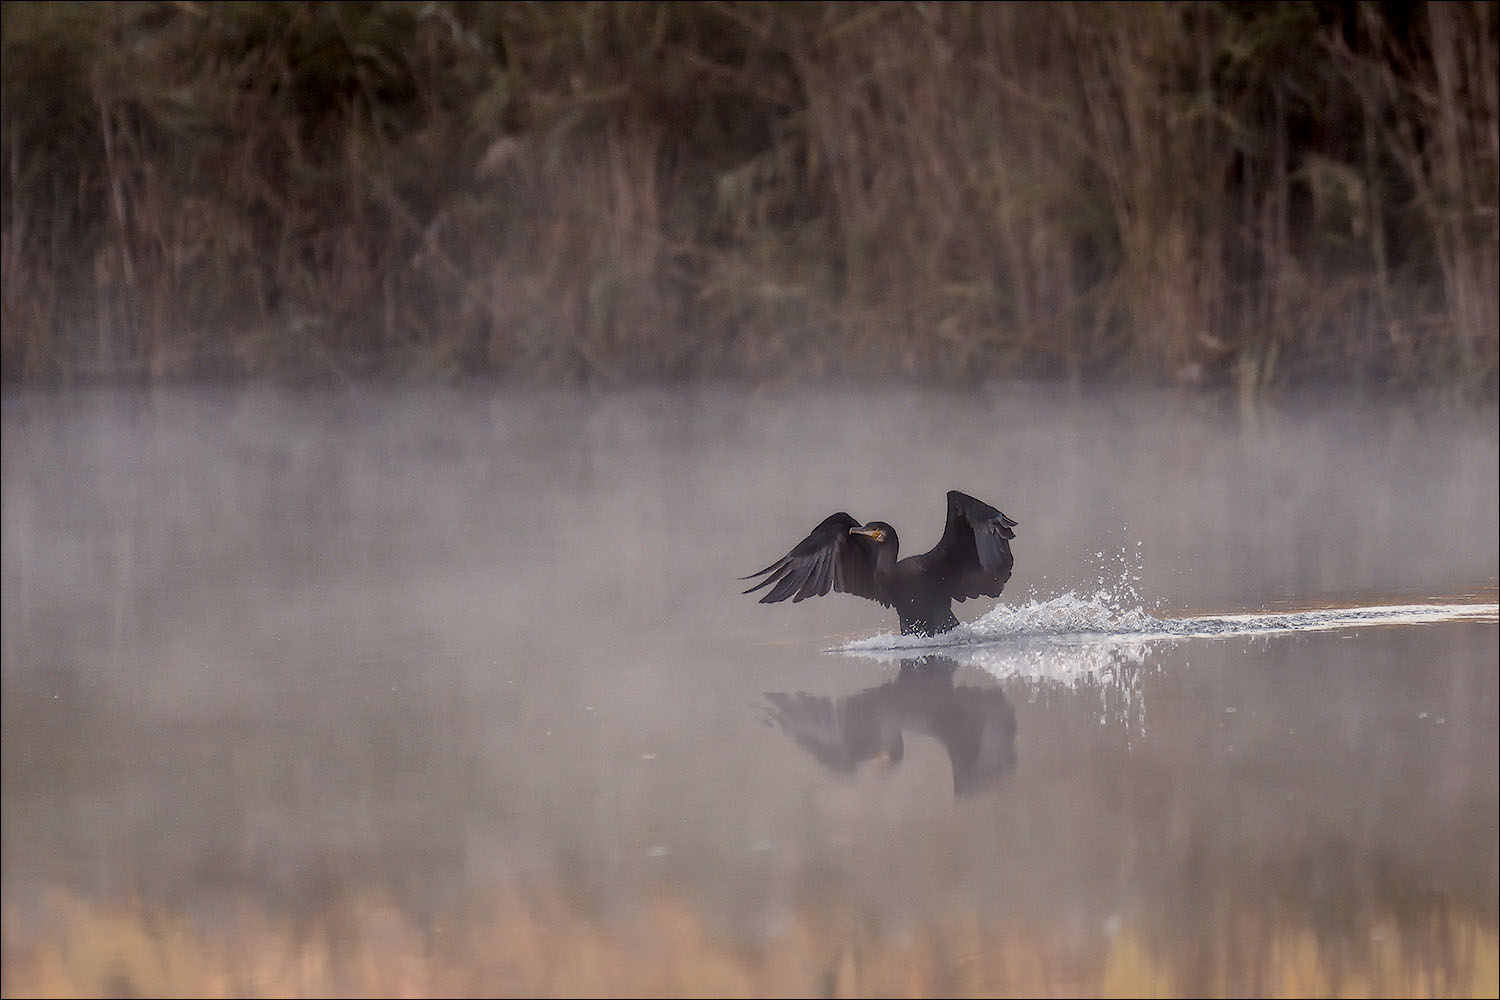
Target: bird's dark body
point(972, 559)
point(923, 609)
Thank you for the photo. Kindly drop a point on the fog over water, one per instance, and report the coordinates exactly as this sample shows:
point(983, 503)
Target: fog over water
point(308, 647)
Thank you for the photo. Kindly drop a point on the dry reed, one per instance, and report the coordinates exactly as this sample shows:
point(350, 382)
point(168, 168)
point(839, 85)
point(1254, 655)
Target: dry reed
point(540, 946)
point(1233, 195)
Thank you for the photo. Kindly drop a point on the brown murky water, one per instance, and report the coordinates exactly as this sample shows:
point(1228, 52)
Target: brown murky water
point(435, 691)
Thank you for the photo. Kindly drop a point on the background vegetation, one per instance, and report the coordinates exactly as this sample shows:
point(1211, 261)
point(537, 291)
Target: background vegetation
point(1229, 194)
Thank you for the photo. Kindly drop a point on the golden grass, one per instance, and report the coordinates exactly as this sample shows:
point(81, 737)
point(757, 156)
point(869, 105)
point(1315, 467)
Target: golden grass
point(67, 946)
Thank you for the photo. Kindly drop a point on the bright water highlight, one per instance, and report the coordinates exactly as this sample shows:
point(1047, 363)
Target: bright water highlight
point(1069, 619)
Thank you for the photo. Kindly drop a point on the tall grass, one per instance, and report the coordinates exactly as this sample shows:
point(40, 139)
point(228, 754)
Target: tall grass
point(1216, 193)
point(537, 944)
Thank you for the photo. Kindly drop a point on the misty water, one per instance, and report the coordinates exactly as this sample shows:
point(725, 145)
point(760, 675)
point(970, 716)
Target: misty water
point(462, 655)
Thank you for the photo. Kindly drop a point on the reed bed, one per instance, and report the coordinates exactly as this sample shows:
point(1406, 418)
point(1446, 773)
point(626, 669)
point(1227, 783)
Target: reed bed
point(538, 945)
point(1243, 196)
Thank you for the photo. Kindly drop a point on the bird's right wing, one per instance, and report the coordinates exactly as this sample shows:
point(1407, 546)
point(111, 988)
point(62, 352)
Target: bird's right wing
point(973, 557)
point(828, 559)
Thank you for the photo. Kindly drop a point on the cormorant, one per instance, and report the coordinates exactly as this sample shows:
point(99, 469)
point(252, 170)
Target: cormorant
point(971, 559)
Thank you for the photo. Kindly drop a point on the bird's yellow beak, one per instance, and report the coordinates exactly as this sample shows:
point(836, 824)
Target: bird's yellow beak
point(874, 533)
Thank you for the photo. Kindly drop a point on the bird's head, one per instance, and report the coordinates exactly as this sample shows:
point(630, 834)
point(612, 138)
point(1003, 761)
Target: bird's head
point(879, 532)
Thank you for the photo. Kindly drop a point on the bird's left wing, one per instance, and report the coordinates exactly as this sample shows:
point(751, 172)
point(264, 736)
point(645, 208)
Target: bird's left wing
point(973, 557)
point(828, 559)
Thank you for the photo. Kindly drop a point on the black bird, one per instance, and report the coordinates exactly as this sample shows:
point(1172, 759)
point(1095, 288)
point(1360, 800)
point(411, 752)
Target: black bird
point(976, 725)
point(971, 559)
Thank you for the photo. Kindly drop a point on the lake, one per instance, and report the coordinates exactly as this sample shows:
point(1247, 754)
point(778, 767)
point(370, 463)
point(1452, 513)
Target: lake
point(453, 691)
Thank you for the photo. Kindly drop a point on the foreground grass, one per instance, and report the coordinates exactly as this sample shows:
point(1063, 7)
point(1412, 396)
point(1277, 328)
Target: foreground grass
point(67, 946)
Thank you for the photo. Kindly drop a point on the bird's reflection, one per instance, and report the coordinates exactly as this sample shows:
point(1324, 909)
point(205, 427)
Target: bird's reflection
point(976, 725)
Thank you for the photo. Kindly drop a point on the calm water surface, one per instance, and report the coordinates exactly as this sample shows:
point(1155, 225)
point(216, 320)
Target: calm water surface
point(434, 691)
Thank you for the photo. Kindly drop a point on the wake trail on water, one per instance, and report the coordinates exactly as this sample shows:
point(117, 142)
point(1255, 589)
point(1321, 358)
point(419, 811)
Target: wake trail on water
point(1115, 615)
point(1069, 618)
point(1074, 640)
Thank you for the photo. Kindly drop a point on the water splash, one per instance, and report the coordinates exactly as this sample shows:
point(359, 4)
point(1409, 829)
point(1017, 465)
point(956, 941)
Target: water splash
point(1114, 608)
point(1069, 619)
point(1066, 615)
point(1115, 617)
point(1101, 640)
point(1062, 643)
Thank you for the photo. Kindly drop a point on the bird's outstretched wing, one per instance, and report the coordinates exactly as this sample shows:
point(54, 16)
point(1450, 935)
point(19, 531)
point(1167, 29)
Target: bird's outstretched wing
point(828, 559)
point(973, 557)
